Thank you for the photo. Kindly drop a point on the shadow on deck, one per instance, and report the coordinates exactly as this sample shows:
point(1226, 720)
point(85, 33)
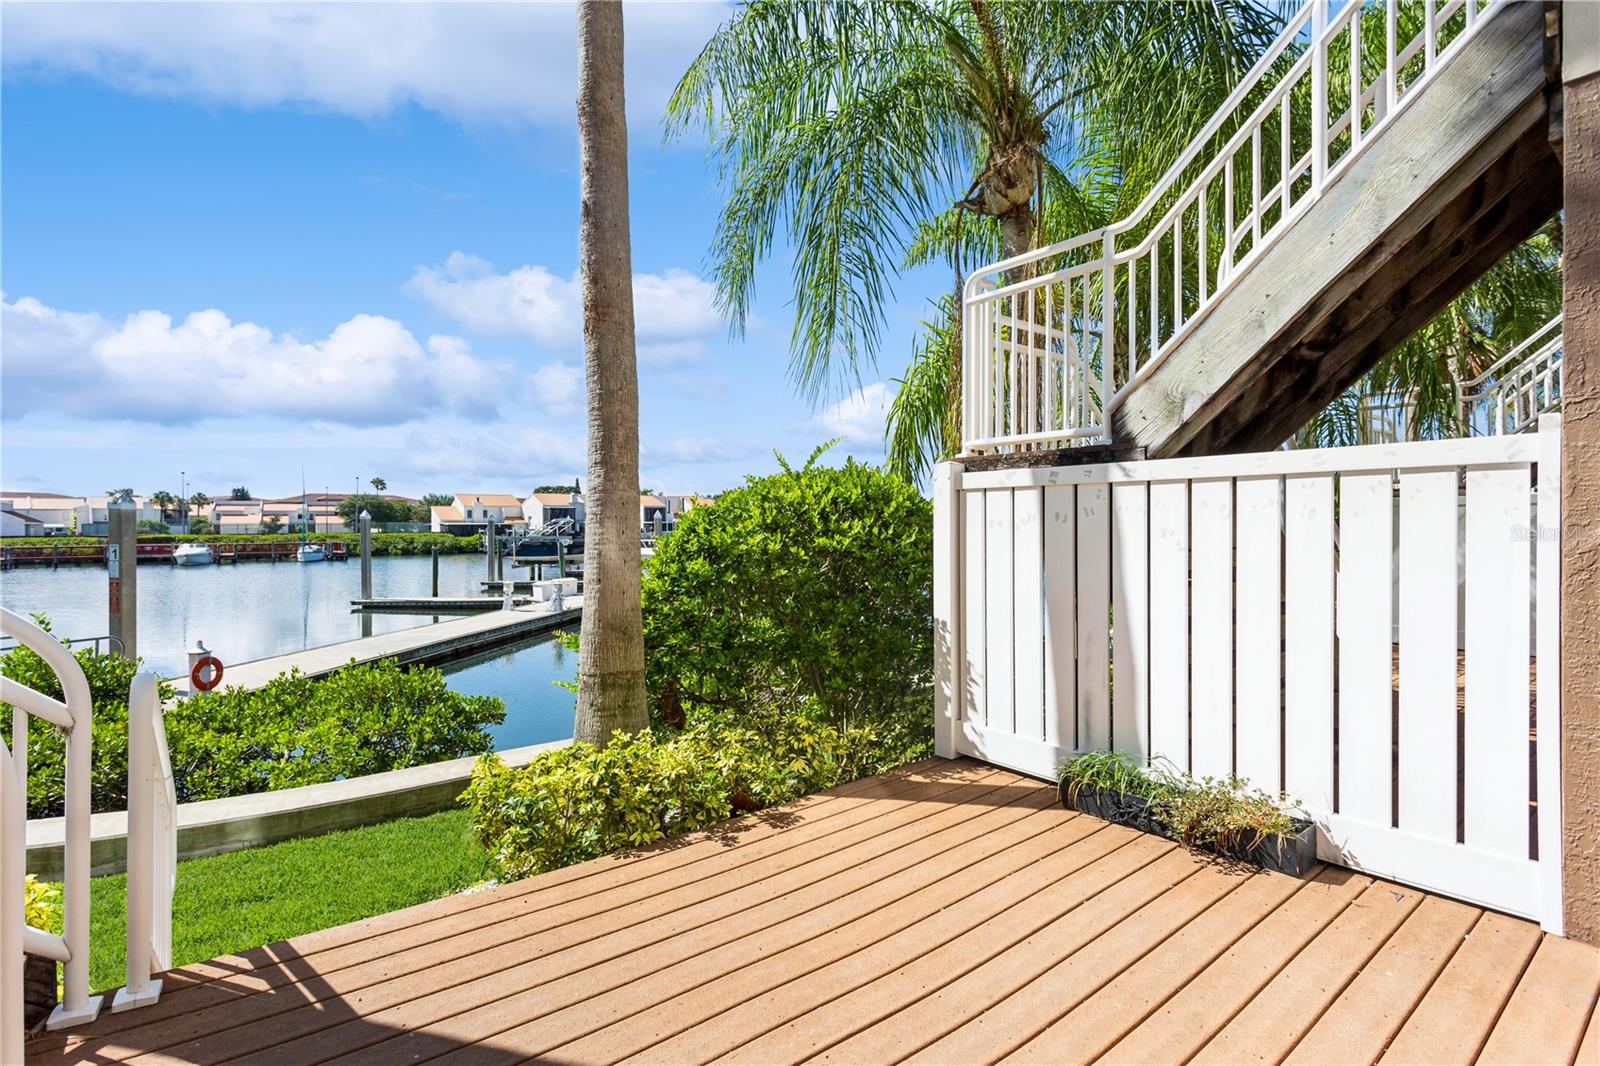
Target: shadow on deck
point(949, 912)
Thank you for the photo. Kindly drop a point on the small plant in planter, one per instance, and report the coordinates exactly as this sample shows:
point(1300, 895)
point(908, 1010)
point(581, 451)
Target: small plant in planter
point(1112, 785)
point(1222, 816)
point(41, 908)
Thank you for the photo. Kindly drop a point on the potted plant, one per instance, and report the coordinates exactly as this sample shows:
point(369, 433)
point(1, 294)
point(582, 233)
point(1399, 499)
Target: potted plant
point(1231, 819)
point(1225, 817)
point(41, 908)
point(1113, 786)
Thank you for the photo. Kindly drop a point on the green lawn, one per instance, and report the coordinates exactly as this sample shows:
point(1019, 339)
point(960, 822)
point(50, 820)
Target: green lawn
point(229, 903)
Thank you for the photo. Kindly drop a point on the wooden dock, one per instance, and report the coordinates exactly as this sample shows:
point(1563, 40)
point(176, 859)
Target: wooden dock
point(427, 645)
point(429, 604)
point(945, 913)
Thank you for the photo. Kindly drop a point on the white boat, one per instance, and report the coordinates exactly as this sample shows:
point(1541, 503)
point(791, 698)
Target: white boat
point(310, 553)
point(192, 555)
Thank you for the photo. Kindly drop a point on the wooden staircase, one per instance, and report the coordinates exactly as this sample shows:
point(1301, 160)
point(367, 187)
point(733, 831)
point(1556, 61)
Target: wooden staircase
point(1094, 343)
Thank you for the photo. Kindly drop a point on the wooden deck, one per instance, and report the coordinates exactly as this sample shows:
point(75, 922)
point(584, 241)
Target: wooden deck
point(948, 913)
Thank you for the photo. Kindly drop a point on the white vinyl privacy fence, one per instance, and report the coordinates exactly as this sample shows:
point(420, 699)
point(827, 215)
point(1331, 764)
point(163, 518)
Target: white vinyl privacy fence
point(1290, 617)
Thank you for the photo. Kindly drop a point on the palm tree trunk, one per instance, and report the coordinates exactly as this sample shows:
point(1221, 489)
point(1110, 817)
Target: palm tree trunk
point(611, 664)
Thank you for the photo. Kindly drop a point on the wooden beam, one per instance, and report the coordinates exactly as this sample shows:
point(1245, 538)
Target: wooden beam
point(1496, 213)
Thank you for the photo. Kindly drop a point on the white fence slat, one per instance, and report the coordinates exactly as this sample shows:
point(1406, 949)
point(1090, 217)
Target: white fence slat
point(1496, 729)
point(1169, 622)
point(1211, 627)
point(1027, 627)
point(974, 612)
point(1258, 538)
point(1094, 608)
point(1366, 630)
point(1428, 518)
point(1061, 628)
point(1308, 641)
point(1130, 619)
point(946, 625)
point(999, 576)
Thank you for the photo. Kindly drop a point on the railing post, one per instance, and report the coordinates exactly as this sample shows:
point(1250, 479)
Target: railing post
point(1319, 95)
point(13, 861)
point(947, 650)
point(151, 854)
point(1108, 317)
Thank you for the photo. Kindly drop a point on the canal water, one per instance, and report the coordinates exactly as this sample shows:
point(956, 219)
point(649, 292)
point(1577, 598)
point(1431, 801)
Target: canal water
point(254, 610)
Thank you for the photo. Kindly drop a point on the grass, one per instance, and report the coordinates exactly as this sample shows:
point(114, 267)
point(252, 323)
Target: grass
point(230, 903)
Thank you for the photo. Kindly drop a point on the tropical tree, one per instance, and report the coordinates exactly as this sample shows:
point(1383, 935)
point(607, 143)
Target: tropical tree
point(884, 136)
point(378, 484)
point(199, 500)
point(611, 695)
point(239, 492)
point(437, 499)
point(165, 500)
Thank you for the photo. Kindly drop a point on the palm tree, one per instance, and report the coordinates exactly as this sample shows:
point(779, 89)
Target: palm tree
point(611, 695)
point(199, 500)
point(882, 136)
point(166, 501)
point(378, 484)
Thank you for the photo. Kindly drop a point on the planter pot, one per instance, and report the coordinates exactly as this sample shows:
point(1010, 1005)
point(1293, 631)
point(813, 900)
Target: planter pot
point(1293, 854)
point(38, 990)
point(1123, 808)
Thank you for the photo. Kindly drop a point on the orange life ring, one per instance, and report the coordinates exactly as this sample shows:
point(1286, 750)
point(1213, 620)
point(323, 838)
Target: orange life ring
point(201, 665)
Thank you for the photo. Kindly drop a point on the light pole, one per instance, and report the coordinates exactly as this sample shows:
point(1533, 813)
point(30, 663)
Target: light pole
point(183, 500)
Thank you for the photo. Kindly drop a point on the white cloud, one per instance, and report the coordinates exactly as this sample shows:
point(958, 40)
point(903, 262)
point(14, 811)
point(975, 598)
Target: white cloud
point(859, 418)
point(674, 311)
point(558, 388)
point(471, 61)
point(506, 455)
point(369, 370)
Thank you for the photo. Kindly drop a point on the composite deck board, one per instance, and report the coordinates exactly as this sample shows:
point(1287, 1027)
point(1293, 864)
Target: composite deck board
point(948, 912)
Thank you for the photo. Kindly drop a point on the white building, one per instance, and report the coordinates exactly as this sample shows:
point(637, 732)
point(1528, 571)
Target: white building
point(17, 524)
point(542, 508)
point(472, 512)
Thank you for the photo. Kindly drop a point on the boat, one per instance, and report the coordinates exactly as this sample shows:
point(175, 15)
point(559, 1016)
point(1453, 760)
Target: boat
point(557, 538)
point(307, 552)
point(191, 555)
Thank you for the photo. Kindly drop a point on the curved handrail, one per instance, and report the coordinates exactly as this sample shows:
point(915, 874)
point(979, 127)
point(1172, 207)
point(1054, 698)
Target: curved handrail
point(1518, 387)
point(74, 716)
point(1536, 338)
point(1063, 324)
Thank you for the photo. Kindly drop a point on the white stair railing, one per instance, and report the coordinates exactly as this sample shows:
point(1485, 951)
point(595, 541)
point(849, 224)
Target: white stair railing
point(1055, 339)
point(1523, 384)
point(152, 847)
point(72, 715)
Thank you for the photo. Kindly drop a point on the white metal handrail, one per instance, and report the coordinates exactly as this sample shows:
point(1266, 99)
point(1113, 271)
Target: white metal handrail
point(1055, 339)
point(1520, 386)
point(152, 847)
point(73, 716)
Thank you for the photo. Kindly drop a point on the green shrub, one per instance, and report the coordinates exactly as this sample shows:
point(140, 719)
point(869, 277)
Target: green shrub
point(580, 802)
point(808, 592)
point(293, 731)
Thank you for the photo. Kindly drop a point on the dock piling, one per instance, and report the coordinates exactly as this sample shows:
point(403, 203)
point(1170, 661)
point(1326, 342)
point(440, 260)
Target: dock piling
point(366, 556)
point(435, 553)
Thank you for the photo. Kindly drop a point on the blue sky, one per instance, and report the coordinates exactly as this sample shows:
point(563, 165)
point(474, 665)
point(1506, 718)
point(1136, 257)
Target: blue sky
point(236, 240)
